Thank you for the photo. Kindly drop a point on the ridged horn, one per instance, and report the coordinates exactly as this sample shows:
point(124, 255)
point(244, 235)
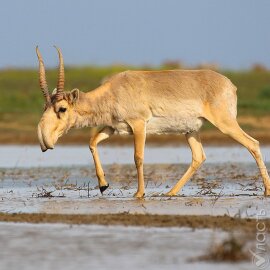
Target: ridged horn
point(42, 78)
point(61, 76)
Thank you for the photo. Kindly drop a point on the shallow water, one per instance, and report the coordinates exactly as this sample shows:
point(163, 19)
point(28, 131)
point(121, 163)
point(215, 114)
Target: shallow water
point(31, 156)
point(58, 246)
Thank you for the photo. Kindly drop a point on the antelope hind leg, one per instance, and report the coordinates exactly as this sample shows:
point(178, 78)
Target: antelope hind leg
point(233, 130)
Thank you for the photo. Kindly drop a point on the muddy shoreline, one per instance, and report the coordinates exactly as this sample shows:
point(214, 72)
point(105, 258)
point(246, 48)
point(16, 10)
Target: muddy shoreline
point(80, 137)
point(225, 223)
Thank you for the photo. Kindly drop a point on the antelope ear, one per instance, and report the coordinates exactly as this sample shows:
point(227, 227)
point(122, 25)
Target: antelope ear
point(74, 95)
point(54, 91)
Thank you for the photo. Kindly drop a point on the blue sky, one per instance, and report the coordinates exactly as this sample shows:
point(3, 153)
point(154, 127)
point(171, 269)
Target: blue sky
point(233, 33)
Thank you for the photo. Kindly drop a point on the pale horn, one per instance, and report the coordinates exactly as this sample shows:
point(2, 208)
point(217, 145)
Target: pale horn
point(42, 79)
point(61, 76)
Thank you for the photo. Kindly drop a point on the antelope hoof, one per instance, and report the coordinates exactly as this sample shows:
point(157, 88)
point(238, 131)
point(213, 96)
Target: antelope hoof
point(103, 188)
point(267, 192)
point(139, 195)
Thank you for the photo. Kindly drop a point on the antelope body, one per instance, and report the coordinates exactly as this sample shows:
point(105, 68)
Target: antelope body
point(146, 102)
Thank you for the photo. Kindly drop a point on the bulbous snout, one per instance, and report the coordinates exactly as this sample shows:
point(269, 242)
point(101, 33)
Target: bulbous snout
point(44, 140)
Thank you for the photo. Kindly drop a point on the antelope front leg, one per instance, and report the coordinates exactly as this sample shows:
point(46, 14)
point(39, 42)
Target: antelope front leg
point(139, 132)
point(102, 135)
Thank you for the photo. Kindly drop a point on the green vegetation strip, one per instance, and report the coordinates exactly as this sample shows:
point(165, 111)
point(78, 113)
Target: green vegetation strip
point(220, 222)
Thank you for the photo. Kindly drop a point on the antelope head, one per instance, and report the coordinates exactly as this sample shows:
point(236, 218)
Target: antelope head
point(59, 114)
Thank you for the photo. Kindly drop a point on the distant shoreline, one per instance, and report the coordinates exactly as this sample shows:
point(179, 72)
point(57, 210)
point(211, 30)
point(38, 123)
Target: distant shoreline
point(20, 133)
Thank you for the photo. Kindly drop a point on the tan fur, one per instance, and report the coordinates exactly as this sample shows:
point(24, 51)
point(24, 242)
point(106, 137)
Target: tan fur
point(140, 102)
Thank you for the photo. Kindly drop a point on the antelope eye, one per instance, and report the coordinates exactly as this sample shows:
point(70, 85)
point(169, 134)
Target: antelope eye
point(62, 109)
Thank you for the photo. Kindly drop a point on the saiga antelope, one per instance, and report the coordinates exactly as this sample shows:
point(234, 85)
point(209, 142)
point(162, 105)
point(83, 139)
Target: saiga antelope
point(146, 102)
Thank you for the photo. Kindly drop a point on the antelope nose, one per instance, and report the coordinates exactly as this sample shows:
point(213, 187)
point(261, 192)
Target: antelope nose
point(49, 147)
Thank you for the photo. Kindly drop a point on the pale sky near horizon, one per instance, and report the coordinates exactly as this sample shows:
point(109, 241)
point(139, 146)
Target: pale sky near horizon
point(232, 33)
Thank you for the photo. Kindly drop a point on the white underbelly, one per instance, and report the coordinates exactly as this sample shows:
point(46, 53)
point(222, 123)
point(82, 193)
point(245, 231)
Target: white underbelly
point(162, 125)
